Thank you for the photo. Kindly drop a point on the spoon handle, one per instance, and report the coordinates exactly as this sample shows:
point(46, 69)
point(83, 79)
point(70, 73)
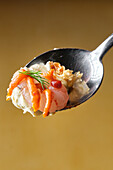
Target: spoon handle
point(104, 47)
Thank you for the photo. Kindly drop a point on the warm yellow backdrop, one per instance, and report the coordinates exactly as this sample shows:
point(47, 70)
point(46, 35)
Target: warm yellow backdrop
point(78, 139)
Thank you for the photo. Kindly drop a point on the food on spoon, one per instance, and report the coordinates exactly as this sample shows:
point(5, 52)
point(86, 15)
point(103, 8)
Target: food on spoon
point(46, 88)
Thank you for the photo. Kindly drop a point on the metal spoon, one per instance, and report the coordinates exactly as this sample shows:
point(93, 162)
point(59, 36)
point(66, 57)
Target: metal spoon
point(87, 62)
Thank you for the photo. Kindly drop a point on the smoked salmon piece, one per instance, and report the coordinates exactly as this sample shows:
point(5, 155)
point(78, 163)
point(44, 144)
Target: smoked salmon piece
point(34, 93)
point(14, 82)
point(47, 93)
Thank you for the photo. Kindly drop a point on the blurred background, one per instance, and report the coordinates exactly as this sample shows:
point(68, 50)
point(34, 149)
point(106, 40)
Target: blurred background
point(80, 138)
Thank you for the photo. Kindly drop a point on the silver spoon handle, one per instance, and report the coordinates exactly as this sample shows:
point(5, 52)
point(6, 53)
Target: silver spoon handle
point(104, 47)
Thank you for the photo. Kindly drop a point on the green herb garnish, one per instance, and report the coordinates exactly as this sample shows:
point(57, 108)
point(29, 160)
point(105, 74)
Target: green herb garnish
point(37, 75)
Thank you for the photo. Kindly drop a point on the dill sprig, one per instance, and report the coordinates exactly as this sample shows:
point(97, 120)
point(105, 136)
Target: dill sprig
point(37, 75)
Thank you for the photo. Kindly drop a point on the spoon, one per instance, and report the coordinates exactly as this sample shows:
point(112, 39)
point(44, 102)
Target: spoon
point(87, 62)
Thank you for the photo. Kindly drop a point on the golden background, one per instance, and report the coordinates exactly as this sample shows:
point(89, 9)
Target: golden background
point(76, 139)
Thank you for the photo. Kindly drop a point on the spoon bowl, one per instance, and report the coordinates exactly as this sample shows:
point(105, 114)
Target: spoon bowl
point(87, 62)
